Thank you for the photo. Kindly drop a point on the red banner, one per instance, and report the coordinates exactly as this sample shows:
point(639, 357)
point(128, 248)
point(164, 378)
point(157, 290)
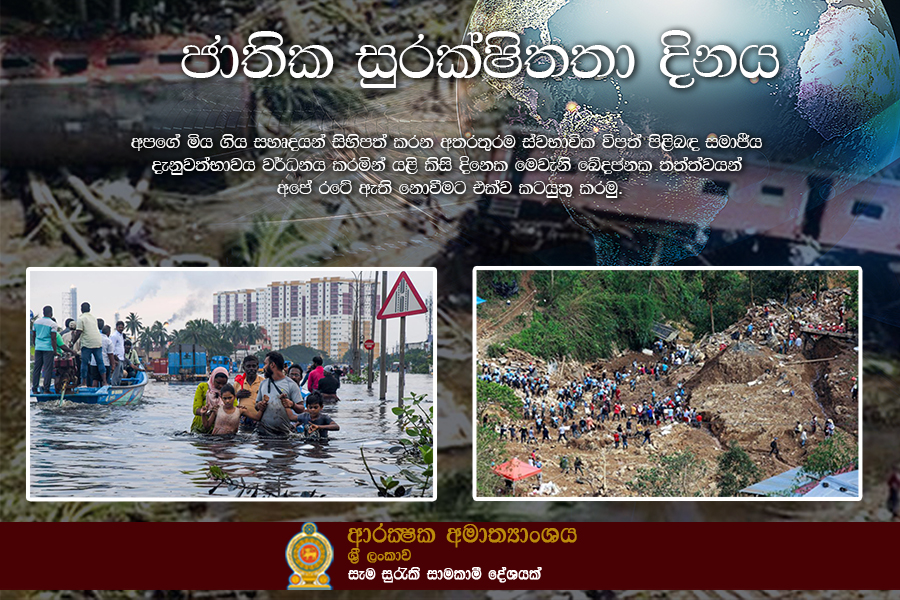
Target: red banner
point(424, 556)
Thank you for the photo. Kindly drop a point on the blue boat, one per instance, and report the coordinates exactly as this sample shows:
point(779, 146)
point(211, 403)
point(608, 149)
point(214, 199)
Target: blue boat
point(130, 392)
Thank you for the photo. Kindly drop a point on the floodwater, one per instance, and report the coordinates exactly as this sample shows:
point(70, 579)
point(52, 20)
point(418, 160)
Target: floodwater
point(146, 450)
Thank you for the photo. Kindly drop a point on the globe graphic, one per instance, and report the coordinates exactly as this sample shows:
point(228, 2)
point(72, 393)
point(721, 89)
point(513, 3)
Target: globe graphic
point(832, 107)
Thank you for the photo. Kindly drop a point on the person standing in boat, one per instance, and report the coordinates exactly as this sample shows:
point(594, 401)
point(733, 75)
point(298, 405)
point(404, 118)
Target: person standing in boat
point(248, 384)
point(88, 331)
point(100, 369)
point(277, 394)
point(224, 420)
point(206, 390)
point(69, 339)
point(43, 337)
point(328, 385)
point(65, 376)
point(118, 340)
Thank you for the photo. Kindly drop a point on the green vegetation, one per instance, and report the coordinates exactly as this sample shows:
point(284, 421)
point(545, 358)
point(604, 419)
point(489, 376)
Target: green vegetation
point(498, 394)
point(736, 470)
point(222, 339)
point(853, 300)
point(487, 279)
point(496, 350)
point(299, 354)
point(417, 361)
point(217, 339)
point(269, 244)
point(711, 285)
point(723, 297)
point(490, 453)
point(154, 337)
point(133, 325)
point(417, 451)
point(675, 476)
point(777, 285)
point(490, 397)
point(588, 315)
point(831, 455)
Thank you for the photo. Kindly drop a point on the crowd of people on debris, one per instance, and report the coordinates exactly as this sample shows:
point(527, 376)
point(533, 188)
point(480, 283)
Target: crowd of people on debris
point(805, 315)
point(582, 406)
point(579, 407)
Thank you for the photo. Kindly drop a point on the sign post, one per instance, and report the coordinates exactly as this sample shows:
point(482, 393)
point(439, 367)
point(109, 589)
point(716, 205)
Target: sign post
point(370, 374)
point(382, 373)
point(402, 372)
point(402, 302)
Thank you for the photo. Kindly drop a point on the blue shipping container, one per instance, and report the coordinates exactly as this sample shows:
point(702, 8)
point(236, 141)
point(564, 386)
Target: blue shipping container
point(186, 361)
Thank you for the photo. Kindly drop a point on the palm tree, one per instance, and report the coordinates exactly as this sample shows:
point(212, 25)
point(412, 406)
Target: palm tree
point(252, 333)
point(133, 324)
point(159, 335)
point(240, 334)
point(194, 332)
point(233, 332)
point(223, 340)
point(145, 341)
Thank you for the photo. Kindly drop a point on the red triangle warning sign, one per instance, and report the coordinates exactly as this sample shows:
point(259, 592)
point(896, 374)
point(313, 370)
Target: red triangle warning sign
point(403, 300)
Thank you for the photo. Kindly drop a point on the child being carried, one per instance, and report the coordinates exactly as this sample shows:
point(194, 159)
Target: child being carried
point(225, 417)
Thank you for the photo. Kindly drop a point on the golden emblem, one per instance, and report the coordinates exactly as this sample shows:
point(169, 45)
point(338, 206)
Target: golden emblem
point(309, 554)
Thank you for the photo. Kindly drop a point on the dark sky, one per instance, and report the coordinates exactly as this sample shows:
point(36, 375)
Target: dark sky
point(893, 9)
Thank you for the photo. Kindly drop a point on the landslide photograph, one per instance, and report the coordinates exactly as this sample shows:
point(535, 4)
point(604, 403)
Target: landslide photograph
point(667, 383)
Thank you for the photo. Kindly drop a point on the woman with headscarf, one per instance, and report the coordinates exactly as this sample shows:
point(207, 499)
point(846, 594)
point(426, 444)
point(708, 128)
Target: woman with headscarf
point(208, 397)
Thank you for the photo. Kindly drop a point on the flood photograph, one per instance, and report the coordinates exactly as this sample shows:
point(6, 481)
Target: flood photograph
point(174, 384)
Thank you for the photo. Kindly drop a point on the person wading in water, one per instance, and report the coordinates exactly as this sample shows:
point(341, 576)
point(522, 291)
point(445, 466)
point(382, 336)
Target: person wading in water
point(276, 394)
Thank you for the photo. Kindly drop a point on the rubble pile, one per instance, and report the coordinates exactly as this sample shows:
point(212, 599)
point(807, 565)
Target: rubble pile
point(805, 312)
point(750, 392)
point(743, 361)
point(746, 390)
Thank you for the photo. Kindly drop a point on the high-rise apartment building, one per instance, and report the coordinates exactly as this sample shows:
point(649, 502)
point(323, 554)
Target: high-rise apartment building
point(318, 313)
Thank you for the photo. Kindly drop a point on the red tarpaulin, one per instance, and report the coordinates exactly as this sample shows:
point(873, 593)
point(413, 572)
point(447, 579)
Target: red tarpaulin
point(515, 470)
